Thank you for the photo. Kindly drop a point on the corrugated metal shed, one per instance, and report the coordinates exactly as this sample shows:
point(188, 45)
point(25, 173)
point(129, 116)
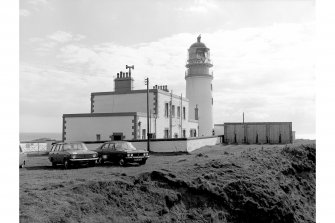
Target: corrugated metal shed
point(258, 132)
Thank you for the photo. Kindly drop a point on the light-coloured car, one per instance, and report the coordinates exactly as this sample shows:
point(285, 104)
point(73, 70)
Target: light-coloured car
point(71, 153)
point(23, 158)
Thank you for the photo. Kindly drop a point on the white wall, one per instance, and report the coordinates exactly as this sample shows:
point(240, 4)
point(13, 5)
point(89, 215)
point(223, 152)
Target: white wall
point(135, 102)
point(86, 128)
point(193, 144)
point(163, 146)
point(187, 145)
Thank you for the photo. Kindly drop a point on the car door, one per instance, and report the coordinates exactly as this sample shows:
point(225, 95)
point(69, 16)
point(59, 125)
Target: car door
point(53, 155)
point(118, 151)
point(103, 151)
point(58, 154)
point(112, 153)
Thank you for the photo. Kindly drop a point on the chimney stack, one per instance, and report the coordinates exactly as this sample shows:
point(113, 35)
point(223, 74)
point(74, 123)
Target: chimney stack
point(123, 83)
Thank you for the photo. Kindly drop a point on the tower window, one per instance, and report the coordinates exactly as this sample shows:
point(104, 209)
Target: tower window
point(184, 113)
point(178, 111)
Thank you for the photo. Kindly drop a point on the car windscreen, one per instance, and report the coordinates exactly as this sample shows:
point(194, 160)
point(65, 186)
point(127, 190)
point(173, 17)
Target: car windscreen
point(75, 146)
point(124, 146)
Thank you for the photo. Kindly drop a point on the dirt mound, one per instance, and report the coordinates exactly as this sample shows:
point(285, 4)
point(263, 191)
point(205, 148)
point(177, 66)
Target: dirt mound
point(259, 185)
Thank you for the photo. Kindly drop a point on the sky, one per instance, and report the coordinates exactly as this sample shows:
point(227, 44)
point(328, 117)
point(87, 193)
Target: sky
point(262, 52)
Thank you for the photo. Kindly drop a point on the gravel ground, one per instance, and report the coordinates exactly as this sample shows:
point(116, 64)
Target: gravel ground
point(223, 183)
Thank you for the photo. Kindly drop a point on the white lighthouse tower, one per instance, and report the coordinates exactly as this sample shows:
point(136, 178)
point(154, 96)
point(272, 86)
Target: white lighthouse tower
point(199, 86)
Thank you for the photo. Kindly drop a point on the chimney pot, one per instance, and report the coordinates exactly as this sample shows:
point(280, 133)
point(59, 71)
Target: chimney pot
point(117, 75)
point(126, 74)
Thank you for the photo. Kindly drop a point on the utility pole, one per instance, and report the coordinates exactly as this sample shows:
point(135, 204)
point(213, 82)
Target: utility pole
point(148, 134)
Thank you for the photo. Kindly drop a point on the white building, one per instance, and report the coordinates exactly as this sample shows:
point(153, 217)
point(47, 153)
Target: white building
point(122, 113)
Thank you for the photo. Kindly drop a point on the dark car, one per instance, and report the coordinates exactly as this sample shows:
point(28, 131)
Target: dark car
point(68, 153)
point(121, 152)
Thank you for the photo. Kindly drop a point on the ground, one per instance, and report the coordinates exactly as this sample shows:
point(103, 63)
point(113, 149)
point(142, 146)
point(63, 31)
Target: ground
point(222, 183)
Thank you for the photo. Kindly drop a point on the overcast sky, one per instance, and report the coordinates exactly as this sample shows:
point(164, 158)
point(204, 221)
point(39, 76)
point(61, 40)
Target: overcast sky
point(262, 51)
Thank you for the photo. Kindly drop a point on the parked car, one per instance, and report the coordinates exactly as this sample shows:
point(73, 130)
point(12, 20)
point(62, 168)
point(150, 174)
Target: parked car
point(70, 153)
point(23, 158)
point(121, 152)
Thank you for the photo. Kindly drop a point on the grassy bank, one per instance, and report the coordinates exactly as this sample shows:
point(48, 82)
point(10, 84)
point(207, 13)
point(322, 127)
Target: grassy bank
point(236, 183)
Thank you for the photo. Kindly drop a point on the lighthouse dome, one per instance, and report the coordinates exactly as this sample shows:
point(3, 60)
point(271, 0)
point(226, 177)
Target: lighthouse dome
point(198, 44)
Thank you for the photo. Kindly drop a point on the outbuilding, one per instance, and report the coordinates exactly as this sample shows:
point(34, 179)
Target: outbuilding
point(258, 132)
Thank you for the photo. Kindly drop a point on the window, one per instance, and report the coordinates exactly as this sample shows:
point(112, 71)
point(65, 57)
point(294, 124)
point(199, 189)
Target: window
point(75, 146)
point(166, 133)
point(166, 109)
point(184, 113)
point(184, 133)
point(193, 133)
point(173, 111)
point(178, 111)
point(105, 146)
point(211, 87)
point(212, 101)
point(143, 134)
point(60, 148)
point(176, 135)
point(98, 137)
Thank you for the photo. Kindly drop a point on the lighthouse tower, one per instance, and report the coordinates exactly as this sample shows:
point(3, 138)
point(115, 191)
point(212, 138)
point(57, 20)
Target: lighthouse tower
point(199, 86)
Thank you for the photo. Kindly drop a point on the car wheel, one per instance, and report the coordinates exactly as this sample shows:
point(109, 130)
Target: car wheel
point(143, 162)
point(92, 163)
point(66, 164)
point(122, 162)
